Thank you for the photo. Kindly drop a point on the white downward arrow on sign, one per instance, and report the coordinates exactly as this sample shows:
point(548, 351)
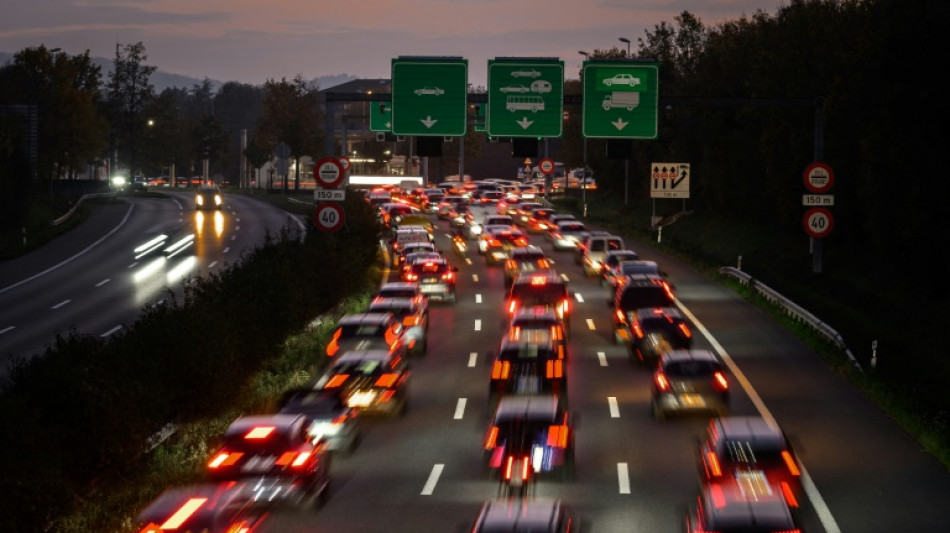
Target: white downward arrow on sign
point(620, 124)
point(389, 124)
point(524, 122)
point(428, 121)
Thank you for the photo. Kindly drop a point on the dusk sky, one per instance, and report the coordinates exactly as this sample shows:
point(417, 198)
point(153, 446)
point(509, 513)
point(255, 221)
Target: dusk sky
point(252, 41)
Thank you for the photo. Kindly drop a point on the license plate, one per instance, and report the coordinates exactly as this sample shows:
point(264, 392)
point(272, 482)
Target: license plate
point(527, 384)
point(430, 280)
point(692, 400)
point(259, 463)
point(430, 288)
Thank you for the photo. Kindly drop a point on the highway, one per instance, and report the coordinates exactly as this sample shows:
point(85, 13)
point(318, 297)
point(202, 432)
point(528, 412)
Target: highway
point(91, 281)
point(425, 471)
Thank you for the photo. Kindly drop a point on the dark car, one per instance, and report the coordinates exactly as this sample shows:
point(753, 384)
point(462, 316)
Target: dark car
point(525, 259)
point(689, 381)
point(224, 507)
point(208, 197)
point(525, 365)
point(611, 259)
point(620, 274)
point(741, 505)
point(436, 278)
point(414, 315)
point(540, 325)
point(651, 332)
point(525, 516)
point(330, 418)
point(638, 292)
point(534, 431)
point(375, 381)
point(737, 446)
point(540, 289)
point(500, 243)
point(278, 453)
point(364, 331)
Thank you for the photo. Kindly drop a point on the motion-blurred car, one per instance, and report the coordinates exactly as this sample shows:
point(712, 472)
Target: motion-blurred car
point(741, 505)
point(539, 220)
point(375, 381)
point(500, 243)
point(208, 197)
point(534, 430)
point(736, 446)
point(404, 289)
point(689, 381)
point(225, 507)
point(436, 278)
point(330, 418)
point(640, 291)
point(540, 289)
point(413, 313)
point(526, 365)
point(540, 325)
point(622, 272)
point(651, 332)
point(400, 254)
point(366, 331)
point(520, 515)
point(525, 259)
point(278, 454)
point(567, 235)
point(593, 248)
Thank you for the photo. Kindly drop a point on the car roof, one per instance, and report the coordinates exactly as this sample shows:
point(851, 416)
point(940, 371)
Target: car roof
point(382, 303)
point(670, 313)
point(536, 313)
point(358, 356)
point(526, 349)
point(365, 318)
point(510, 515)
point(529, 250)
point(754, 430)
point(284, 423)
point(550, 277)
point(689, 355)
point(544, 407)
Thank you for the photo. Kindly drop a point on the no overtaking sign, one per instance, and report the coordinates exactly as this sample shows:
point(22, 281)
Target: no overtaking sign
point(328, 172)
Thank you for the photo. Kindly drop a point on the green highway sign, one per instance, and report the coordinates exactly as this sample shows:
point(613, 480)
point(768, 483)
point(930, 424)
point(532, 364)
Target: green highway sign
point(429, 96)
point(525, 98)
point(620, 99)
point(380, 116)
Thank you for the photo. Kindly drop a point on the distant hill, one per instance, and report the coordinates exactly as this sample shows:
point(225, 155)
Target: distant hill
point(163, 80)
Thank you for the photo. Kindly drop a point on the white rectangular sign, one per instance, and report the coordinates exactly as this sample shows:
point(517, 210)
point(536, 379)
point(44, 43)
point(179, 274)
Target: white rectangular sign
point(669, 180)
point(329, 195)
point(811, 200)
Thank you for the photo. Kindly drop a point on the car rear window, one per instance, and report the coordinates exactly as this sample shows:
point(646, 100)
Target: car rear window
point(689, 369)
point(638, 297)
point(526, 351)
point(529, 294)
point(362, 330)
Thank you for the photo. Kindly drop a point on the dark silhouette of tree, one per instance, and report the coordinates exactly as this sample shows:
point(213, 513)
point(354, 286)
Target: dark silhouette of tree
point(130, 92)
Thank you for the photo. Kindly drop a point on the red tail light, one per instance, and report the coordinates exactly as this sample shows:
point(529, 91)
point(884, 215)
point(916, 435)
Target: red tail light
point(508, 466)
point(386, 395)
point(491, 438)
point(564, 307)
point(510, 265)
point(662, 383)
point(448, 276)
point(512, 306)
point(500, 370)
point(712, 464)
point(411, 276)
point(554, 369)
point(789, 495)
point(790, 462)
point(333, 347)
point(387, 380)
point(621, 317)
point(224, 458)
point(685, 330)
point(336, 381)
point(411, 321)
point(637, 330)
point(720, 382)
point(557, 436)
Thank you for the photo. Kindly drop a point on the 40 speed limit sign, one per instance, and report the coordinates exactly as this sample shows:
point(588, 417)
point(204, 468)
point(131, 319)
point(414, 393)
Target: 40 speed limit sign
point(328, 217)
point(818, 222)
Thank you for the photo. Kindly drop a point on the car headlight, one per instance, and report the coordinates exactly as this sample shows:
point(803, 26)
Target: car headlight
point(217, 199)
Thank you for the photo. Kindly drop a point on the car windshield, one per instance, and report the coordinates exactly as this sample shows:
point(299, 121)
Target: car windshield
point(547, 294)
point(689, 369)
point(357, 367)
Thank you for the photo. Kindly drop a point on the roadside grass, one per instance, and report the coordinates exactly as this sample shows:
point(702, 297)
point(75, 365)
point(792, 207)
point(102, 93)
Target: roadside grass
point(39, 229)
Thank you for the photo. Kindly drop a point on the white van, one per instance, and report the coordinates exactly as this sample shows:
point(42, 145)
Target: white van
point(593, 249)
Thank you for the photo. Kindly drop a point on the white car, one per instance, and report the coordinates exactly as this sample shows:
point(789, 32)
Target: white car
point(622, 79)
point(434, 91)
point(519, 89)
point(530, 73)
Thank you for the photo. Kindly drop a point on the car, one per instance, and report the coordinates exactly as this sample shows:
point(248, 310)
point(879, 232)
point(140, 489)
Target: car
point(401, 253)
point(401, 289)
point(533, 430)
point(488, 234)
point(376, 381)
point(636, 269)
point(515, 89)
point(390, 214)
point(538, 324)
point(651, 332)
point(528, 362)
point(641, 291)
point(500, 243)
point(741, 505)
point(529, 515)
point(208, 197)
point(330, 418)
point(750, 445)
point(608, 267)
point(525, 73)
point(509, 205)
point(415, 320)
point(689, 381)
point(540, 289)
point(430, 91)
point(539, 220)
point(414, 256)
point(436, 278)
point(525, 259)
point(139, 185)
point(408, 235)
point(592, 251)
point(225, 507)
point(622, 79)
point(366, 331)
point(488, 197)
point(278, 454)
point(568, 234)
point(523, 211)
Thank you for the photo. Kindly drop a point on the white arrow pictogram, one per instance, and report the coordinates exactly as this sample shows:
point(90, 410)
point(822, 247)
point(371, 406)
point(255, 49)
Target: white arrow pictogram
point(429, 121)
point(524, 122)
point(389, 124)
point(620, 124)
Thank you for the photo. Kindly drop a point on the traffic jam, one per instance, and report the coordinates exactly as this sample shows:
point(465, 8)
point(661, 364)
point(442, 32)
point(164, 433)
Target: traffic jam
point(749, 475)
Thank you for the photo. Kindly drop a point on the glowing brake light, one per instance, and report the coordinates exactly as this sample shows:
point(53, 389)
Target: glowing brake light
point(491, 438)
point(448, 276)
point(685, 329)
point(719, 381)
point(183, 514)
point(557, 436)
point(662, 383)
point(387, 380)
point(637, 330)
point(621, 317)
point(336, 381)
point(333, 347)
point(790, 462)
point(411, 321)
point(500, 370)
point(554, 369)
point(301, 459)
point(224, 458)
point(260, 432)
point(512, 306)
point(539, 280)
point(714, 469)
point(789, 495)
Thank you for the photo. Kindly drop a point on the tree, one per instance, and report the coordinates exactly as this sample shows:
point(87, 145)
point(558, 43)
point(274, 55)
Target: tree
point(291, 114)
point(130, 93)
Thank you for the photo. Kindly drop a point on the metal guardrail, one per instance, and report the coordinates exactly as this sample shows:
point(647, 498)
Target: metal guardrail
point(793, 310)
point(64, 218)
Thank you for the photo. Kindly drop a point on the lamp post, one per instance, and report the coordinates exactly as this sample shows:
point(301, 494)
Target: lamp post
point(626, 162)
point(627, 41)
point(584, 179)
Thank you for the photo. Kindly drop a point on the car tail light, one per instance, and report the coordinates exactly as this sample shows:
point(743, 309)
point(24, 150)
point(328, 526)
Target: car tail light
point(661, 382)
point(500, 370)
point(411, 321)
point(390, 337)
point(554, 369)
point(512, 306)
point(448, 276)
point(510, 265)
point(538, 280)
point(333, 347)
point(790, 462)
point(514, 333)
point(387, 380)
point(637, 330)
point(179, 517)
point(564, 307)
point(336, 381)
point(557, 436)
point(224, 458)
point(669, 290)
point(712, 464)
point(259, 432)
point(491, 438)
point(789, 495)
point(720, 382)
point(386, 395)
point(410, 276)
point(685, 330)
point(621, 317)
point(525, 469)
point(521, 242)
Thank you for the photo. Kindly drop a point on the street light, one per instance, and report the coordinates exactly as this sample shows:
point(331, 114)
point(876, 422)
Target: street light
point(627, 41)
point(584, 179)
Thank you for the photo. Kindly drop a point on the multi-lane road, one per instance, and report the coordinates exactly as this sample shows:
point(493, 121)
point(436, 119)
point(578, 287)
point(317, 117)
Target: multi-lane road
point(425, 472)
point(91, 281)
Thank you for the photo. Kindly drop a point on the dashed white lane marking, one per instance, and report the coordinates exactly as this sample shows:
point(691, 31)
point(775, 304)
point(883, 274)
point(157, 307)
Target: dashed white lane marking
point(602, 357)
point(103, 282)
point(472, 358)
point(478, 325)
point(226, 250)
point(133, 265)
point(111, 331)
point(60, 304)
point(590, 324)
point(478, 298)
point(460, 409)
point(623, 478)
point(211, 264)
point(233, 237)
point(614, 408)
point(578, 297)
point(469, 262)
point(433, 479)
point(475, 278)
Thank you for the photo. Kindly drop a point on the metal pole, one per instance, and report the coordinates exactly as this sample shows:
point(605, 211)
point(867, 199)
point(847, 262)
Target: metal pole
point(819, 154)
point(584, 179)
point(626, 179)
point(461, 159)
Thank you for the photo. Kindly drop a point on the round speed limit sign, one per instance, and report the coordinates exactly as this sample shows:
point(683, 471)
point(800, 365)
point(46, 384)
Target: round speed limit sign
point(328, 217)
point(818, 222)
point(546, 166)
